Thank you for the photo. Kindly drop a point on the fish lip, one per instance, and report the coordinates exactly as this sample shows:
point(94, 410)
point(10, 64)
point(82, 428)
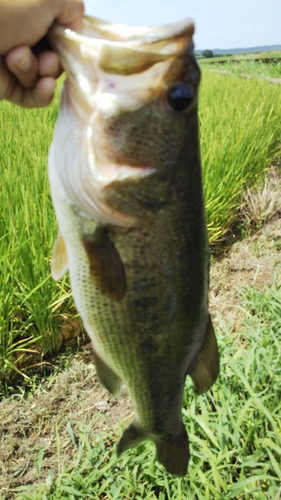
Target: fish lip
point(105, 52)
point(159, 41)
point(94, 29)
point(150, 33)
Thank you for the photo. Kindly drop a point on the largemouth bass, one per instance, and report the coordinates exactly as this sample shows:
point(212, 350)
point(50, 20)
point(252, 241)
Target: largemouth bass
point(125, 179)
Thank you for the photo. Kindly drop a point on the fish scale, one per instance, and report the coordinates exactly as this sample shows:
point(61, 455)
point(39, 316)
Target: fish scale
point(125, 178)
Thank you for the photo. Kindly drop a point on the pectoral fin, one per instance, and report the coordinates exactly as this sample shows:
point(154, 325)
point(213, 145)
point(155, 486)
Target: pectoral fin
point(107, 377)
point(59, 258)
point(207, 366)
point(106, 267)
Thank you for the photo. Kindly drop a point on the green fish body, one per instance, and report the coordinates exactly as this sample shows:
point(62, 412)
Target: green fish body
point(125, 177)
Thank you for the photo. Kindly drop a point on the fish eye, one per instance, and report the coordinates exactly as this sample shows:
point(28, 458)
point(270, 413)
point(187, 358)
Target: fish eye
point(180, 96)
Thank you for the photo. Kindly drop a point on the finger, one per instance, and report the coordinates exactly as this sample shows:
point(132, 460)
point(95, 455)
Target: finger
point(72, 15)
point(7, 80)
point(41, 95)
point(49, 64)
point(23, 64)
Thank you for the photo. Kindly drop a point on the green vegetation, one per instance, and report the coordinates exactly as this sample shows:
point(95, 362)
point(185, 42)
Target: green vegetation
point(31, 303)
point(234, 430)
point(250, 64)
point(249, 55)
point(254, 68)
point(207, 54)
point(240, 134)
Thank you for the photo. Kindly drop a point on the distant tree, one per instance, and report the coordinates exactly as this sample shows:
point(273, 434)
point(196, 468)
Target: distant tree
point(207, 53)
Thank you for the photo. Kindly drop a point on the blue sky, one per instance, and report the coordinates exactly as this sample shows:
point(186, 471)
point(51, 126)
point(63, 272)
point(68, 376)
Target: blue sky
point(219, 23)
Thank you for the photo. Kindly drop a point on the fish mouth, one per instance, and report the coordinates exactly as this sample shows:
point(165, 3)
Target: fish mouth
point(156, 34)
point(96, 59)
point(150, 43)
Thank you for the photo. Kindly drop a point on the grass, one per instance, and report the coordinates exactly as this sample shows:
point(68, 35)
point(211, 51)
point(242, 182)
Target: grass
point(262, 203)
point(256, 69)
point(234, 430)
point(31, 303)
point(247, 55)
point(240, 134)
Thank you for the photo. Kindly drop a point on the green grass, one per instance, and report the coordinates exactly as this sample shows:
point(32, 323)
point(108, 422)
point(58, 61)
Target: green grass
point(234, 430)
point(240, 134)
point(29, 298)
point(249, 55)
point(256, 69)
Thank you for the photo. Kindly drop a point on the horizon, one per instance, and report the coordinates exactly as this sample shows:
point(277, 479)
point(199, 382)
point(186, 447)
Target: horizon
point(278, 45)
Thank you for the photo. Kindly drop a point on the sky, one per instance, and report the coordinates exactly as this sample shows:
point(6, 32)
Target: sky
point(222, 24)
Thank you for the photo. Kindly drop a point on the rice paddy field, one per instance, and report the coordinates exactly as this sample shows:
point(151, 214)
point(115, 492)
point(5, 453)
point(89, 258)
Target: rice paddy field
point(270, 54)
point(235, 429)
point(259, 65)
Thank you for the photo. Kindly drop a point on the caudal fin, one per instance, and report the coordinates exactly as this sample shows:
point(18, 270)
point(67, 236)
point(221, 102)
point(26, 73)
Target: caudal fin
point(173, 453)
point(131, 437)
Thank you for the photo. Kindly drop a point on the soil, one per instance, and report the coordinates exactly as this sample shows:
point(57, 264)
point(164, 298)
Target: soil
point(30, 423)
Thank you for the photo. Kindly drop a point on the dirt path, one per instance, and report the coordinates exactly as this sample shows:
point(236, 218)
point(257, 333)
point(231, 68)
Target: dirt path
point(26, 425)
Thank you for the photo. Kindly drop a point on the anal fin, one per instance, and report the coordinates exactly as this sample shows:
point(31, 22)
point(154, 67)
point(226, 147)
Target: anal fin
point(107, 377)
point(59, 258)
point(207, 366)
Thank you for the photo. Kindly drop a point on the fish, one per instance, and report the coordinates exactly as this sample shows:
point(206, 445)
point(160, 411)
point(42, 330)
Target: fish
point(126, 184)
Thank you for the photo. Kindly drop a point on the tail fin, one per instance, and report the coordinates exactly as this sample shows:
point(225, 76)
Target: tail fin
point(131, 437)
point(173, 453)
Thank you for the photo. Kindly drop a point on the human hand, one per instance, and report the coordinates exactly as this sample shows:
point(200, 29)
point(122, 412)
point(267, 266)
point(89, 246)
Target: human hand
point(27, 79)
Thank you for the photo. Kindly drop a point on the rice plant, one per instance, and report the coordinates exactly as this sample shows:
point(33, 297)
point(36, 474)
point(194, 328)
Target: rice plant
point(253, 68)
point(240, 134)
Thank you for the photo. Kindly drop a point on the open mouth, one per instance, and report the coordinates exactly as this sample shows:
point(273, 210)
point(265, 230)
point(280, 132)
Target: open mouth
point(111, 59)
